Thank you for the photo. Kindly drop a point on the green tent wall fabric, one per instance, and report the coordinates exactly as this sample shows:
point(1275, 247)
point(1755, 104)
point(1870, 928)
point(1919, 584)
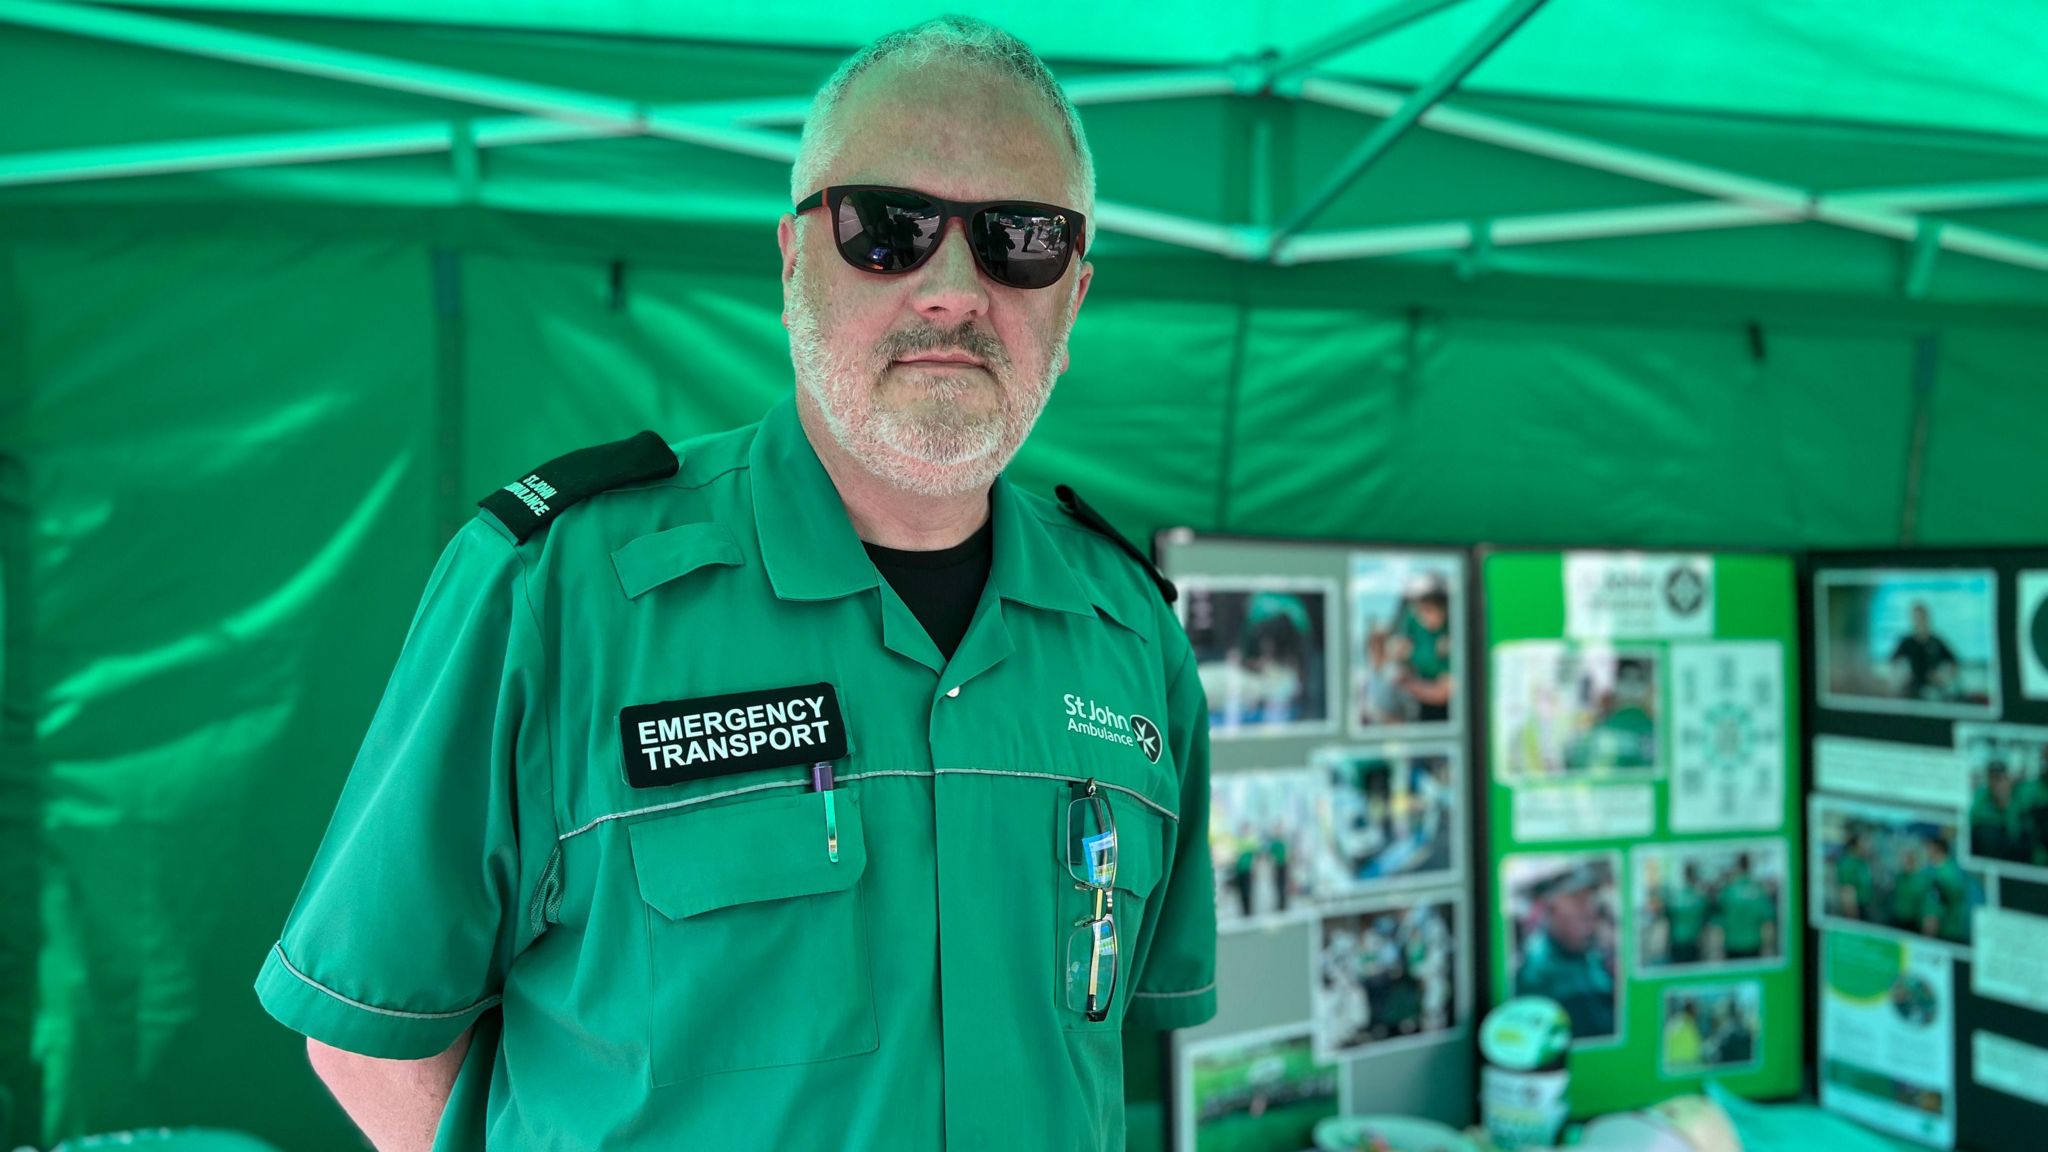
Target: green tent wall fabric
point(241, 410)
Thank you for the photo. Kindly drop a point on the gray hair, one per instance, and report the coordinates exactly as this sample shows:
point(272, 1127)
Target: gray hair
point(954, 39)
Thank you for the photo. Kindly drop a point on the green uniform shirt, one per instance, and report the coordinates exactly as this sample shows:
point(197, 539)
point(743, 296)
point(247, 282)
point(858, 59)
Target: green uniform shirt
point(1910, 898)
point(1425, 659)
point(1685, 908)
point(1746, 907)
point(1948, 900)
point(684, 966)
point(1579, 982)
point(1853, 872)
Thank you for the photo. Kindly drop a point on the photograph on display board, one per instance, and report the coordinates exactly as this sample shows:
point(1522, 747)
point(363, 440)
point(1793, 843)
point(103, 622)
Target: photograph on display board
point(1712, 1029)
point(1920, 643)
point(1892, 867)
point(1563, 913)
point(1389, 817)
point(1264, 653)
point(1563, 712)
point(1711, 904)
point(1386, 976)
point(1258, 1092)
point(2008, 827)
point(1262, 844)
point(1405, 673)
point(2031, 642)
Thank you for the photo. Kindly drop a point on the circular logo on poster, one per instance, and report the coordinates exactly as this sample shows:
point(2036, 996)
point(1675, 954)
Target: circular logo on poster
point(1148, 737)
point(1685, 590)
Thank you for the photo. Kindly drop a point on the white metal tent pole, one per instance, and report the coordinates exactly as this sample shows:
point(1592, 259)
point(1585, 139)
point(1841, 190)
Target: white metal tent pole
point(1389, 19)
point(1771, 199)
point(1469, 56)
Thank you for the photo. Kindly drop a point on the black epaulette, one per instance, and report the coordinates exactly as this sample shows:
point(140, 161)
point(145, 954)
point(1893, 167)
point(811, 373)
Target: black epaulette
point(528, 505)
point(1074, 506)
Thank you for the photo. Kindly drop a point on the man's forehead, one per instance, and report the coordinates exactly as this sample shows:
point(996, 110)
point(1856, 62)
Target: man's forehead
point(960, 133)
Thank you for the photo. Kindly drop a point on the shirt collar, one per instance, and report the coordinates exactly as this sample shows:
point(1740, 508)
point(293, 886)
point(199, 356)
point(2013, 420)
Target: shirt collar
point(811, 552)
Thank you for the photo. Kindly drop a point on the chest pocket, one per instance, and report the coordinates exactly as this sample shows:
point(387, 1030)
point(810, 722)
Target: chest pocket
point(1141, 834)
point(757, 940)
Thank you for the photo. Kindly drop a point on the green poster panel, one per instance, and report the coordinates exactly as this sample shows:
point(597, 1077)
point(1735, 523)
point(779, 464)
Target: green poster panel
point(1641, 776)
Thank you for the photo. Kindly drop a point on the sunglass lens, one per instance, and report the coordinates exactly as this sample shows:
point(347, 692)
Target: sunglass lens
point(1023, 247)
point(885, 231)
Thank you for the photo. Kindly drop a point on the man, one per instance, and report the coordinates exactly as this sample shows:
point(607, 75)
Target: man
point(1565, 959)
point(1425, 641)
point(804, 786)
point(1923, 661)
point(1947, 913)
point(1855, 882)
point(1686, 908)
point(1748, 912)
point(1913, 890)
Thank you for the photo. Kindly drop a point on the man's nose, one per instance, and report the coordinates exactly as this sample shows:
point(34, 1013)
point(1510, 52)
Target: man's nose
point(949, 287)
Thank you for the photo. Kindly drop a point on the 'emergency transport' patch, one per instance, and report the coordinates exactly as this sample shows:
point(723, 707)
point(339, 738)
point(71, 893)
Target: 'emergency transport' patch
point(681, 740)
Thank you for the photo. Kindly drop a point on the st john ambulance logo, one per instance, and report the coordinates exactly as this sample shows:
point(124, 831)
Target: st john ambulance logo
point(1148, 737)
point(1685, 590)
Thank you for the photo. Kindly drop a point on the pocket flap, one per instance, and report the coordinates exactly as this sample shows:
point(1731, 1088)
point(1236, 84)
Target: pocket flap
point(695, 860)
point(658, 557)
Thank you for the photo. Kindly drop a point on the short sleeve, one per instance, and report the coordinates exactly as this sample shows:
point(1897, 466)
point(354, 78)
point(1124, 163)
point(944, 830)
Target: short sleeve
point(415, 903)
point(1177, 986)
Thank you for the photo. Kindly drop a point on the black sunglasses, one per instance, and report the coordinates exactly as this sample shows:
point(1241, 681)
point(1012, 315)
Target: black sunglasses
point(1020, 243)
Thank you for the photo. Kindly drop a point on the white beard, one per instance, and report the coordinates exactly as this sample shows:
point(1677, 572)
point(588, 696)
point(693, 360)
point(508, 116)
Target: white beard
point(933, 446)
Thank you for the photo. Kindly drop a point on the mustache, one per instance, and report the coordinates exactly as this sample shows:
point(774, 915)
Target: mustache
point(931, 338)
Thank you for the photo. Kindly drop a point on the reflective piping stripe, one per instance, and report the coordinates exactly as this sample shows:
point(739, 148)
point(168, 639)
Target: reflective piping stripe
point(479, 1006)
point(1138, 796)
point(1100, 782)
point(1204, 989)
point(686, 804)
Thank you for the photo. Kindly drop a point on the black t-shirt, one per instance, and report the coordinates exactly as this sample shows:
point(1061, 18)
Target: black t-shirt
point(1923, 658)
point(940, 588)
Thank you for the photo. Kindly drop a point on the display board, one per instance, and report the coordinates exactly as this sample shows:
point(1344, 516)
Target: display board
point(1642, 815)
point(1929, 831)
point(1339, 829)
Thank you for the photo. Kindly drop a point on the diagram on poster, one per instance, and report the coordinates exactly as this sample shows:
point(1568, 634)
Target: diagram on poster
point(1263, 649)
point(1887, 1044)
point(2032, 641)
point(1562, 914)
point(1263, 840)
point(1728, 736)
point(1893, 868)
point(1389, 818)
point(1386, 977)
point(1406, 675)
point(1263, 1089)
point(1919, 643)
point(1566, 712)
point(1710, 905)
point(2008, 773)
point(1712, 1029)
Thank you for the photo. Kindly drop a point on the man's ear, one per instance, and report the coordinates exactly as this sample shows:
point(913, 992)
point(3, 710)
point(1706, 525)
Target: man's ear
point(786, 240)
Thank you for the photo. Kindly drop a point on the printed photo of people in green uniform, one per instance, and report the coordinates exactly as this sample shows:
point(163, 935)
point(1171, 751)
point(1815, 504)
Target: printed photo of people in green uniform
point(1920, 643)
point(1712, 1028)
point(1562, 923)
point(1262, 844)
point(1262, 648)
point(1388, 818)
point(2008, 825)
point(1566, 712)
point(1387, 977)
point(1404, 643)
point(1258, 1092)
point(1719, 904)
point(1894, 867)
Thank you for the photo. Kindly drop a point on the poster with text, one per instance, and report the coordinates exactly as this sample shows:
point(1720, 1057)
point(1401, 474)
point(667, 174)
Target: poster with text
point(1640, 731)
point(1887, 1036)
point(1256, 1092)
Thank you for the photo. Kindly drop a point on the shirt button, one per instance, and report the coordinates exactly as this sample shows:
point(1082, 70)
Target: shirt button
point(953, 691)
